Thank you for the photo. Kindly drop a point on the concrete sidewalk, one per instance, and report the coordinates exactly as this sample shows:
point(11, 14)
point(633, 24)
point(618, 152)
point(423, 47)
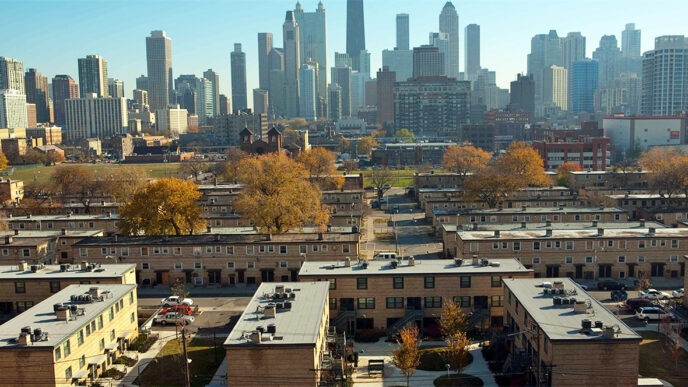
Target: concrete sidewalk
point(162, 291)
point(144, 359)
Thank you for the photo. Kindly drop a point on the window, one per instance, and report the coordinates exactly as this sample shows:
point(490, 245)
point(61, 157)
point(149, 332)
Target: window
point(101, 344)
point(465, 281)
point(398, 282)
point(68, 374)
point(177, 250)
point(124, 251)
point(229, 250)
point(395, 302)
point(517, 246)
point(429, 282)
point(144, 251)
point(20, 287)
point(641, 244)
point(111, 314)
point(569, 245)
point(83, 252)
point(333, 303)
point(346, 249)
point(250, 265)
point(26, 253)
point(463, 301)
point(361, 283)
point(66, 349)
point(432, 302)
point(283, 264)
point(333, 283)
point(58, 353)
point(366, 303)
point(261, 249)
point(674, 244)
point(82, 361)
point(303, 249)
point(536, 246)
point(610, 243)
point(230, 265)
point(641, 259)
point(653, 243)
point(54, 286)
point(283, 249)
point(132, 317)
point(178, 266)
point(315, 248)
point(496, 281)
point(208, 250)
point(145, 266)
point(505, 245)
point(536, 260)
point(198, 265)
point(673, 258)
point(112, 335)
point(568, 260)
point(250, 250)
point(621, 259)
point(589, 260)
point(497, 300)
point(131, 300)
point(100, 319)
point(495, 245)
point(80, 337)
point(557, 244)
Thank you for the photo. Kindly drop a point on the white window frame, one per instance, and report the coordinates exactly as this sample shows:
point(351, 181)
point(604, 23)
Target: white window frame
point(536, 260)
point(568, 260)
point(145, 266)
point(589, 260)
point(198, 266)
point(283, 264)
point(231, 265)
point(178, 266)
point(124, 251)
point(250, 264)
point(621, 259)
point(83, 252)
point(641, 259)
point(229, 250)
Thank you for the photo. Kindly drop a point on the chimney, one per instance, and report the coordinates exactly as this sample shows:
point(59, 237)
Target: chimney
point(320, 236)
point(600, 231)
point(63, 314)
point(523, 207)
point(651, 231)
point(23, 339)
point(23, 266)
point(523, 224)
point(548, 232)
point(109, 214)
point(475, 226)
point(548, 223)
point(209, 229)
point(496, 233)
point(475, 260)
point(16, 232)
point(594, 223)
point(347, 262)
point(411, 261)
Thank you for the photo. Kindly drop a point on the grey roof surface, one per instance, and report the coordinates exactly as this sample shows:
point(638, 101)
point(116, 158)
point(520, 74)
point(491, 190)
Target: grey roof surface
point(48, 218)
point(74, 271)
point(298, 326)
point(575, 234)
point(216, 238)
point(42, 316)
point(647, 196)
point(545, 210)
point(421, 266)
point(17, 234)
point(561, 322)
point(516, 226)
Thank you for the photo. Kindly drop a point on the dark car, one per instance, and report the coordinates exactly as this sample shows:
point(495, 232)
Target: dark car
point(632, 304)
point(611, 285)
point(619, 295)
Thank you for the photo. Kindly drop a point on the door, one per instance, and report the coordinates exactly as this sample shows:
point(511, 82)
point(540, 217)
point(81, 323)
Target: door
point(605, 271)
point(579, 271)
point(232, 280)
point(214, 277)
point(267, 276)
point(552, 271)
point(241, 276)
point(165, 277)
point(413, 303)
point(294, 275)
point(480, 302)
point(682, 265)
point(158, 277)
point(631, 269)
point(188, 274)
point(346, 304)
point(657, 270)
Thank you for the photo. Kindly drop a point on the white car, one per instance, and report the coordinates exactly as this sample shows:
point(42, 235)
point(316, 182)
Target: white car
point(677, 293)
point(173, 318)
point(651, 313)
point(654, 294)
point(175, 300)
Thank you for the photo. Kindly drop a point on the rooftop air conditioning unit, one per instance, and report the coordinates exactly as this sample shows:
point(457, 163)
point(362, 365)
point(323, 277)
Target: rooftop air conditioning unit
point(393, 264)
point(495, 264)
point(586, 324)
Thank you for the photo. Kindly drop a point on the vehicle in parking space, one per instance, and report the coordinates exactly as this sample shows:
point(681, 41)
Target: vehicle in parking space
point(369, 188)
point(654, 294)
point(183, 309)
point(385, 255)
point(584, 287)
point(632, 304)
point(173, 318)
point(610, 285)
point(386, 186)
point(374, 204)
point(175, 300)
point(619, 295)
point(677, 293)
point(651, 313)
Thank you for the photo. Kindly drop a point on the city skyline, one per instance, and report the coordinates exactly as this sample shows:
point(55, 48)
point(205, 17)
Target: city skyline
point(126, 56)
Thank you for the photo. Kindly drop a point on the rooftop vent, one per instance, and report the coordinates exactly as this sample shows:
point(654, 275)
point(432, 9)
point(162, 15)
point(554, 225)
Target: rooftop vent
point(546, 284)
point(393, 264)
point(475, 260)
point(642, 222)
point(495, 264)
point(364, 263)
point(411, 261)
point(548, 232)
point(586, 325)
point(600, 231)
point(651, 231)
point(484, 262)
point(269, 310)
point(594, 223)
point(581, 306)
point(475, 226)
point(523, 224)
point(524, 207)
point(596, 332)
point(272, 328)
point(23, 266)
point(558, 284)
point(458, 261)
point(64, 267)
point(279, 289)
point(496, 233)
point(548, 223)
point(347, 262)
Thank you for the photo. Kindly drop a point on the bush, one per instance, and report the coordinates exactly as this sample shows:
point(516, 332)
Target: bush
point(431, 359)
point(455, 380)
point(127, 361)
point(143, 342)
point(113, 373)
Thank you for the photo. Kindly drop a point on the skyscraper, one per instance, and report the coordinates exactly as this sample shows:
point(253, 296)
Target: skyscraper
point(554, 87)
point(307, 88)
point(342, 76)
point(11, 74)
point(214, 79)
point(342, 59)
point(64, 87)
point(186, 90)
point(572, 50)
point(441, 41)
point(355, 30)
point(142, 82)
point(141, 99)
point(13, 109)
point(160, 79)
point(364, 64)
point(37, 93)
point(261, 103)
point(313, 44)
point(399, 61)
point(225, 105)
point(545, 51)
point(585, 77)
point(608, 56)
point(630, 41)
point(428, 61)
point(91, 116)
point(204, 100)
point(334, 102)
point(385, 95)
point(276, 87)
point(471, 51)
point(449, 23)
point(238, 59)
point(402, 31)
point(665, 77)
point(522, 96)
point(115, 88)
point(264, 47)
point(93, 76)
point(290, 34)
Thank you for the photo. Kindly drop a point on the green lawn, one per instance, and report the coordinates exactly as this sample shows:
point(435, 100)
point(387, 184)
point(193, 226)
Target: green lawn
point(42, 174)
point(205, 357)
point(656, 360)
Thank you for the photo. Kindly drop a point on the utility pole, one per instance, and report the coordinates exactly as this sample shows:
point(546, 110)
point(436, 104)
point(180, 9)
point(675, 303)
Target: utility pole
point(187, 379)
point(537, 338)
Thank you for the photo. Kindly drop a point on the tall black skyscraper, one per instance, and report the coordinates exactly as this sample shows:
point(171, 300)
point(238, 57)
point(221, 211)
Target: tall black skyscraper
point(355, 31)
point(523, 95)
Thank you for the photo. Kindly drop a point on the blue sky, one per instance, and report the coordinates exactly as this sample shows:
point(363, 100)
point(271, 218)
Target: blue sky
point(51, 35)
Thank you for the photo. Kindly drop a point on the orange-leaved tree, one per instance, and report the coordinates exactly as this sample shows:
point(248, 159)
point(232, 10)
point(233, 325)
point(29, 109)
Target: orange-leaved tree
point(524, 163)
point(490, 185)
point(465, 159)
point(365, 145)
point(667, 171)
point(564, 170)
point(407, 355)
point(319, 163)
point(163, 207)
point(277, 195)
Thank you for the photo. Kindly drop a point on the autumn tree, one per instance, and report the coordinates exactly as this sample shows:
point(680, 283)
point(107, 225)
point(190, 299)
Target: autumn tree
point(365, 145)
point(34, 156)
point(54, 157)
point(464, 160)
point(78, 182)
point(123, 182)
point(319, 163)
point(564, 170)
point(290, 136)
point(193, 168)
point(490, 185)
point(405, 134)
point(453, 324)
point(229, 169)
point(298, 123)
point(344, 145)
point(165, 206)
point(457, 350)
point(349, 165)
point(524, 163)
point(452, 318)
point(38, 199)
point(3, 160)
point(407, 355)
point(666, 170)
point(379, 178)
point(278, 197)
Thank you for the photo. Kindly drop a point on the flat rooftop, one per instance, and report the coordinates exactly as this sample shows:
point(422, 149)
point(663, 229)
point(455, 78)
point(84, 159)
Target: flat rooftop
point(603, 172)
point(216, 238)
point(73, 271)
point(18, 234)
point(574, 234)
point(60, 217)
point(561, 322)
point(299, 325)
point(545, 210)
point(42, 315)
point(647, 196)
point(420, 267)
point(253, 231)
point(516, 226)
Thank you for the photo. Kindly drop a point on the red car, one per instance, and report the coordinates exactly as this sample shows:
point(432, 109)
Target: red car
point(182, 309)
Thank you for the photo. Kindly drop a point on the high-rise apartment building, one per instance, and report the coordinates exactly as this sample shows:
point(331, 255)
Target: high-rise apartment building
point(276, 91)
point(585, 82)
point(608, 56)
point(264, 47)
point(471, 48)
point(204, 101)
point(522, 95)
point(545, 51)
point(630, 41)
point(261, 101)
point(441, 41)
point(141, 99)
point(93, 76)
point(428, 61)
point(142, 82)
point(308, 92)
point(364, 64)
point(449, 24)
point(334, 102)
point(665, 77)
point(385, 94)
point(11, 74)
point(160, 79)
point(342, 59)
point(399, 61)
point(402, 31)
point(238, 59)
point(355, 31)
point(214, 79)
point(186, 90)
point(173, 119)
point(313, 44)
point(292, 61)
point(342, 76)
point(64, 87)
point(91, 116)
point(115, 88)
point(13, 109)
point(572, 50)
point(555, 87)
point(225, 105)
point(37, 93)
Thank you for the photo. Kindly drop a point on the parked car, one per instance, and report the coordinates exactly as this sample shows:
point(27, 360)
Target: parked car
point(651, 313)
point(386, 186)
point(374, 204)
point(173, 318)
point(619, 295)
point(183, 309)
point(610, 285)
point(633, 304)
point(677, 293)
point(654, 294)
point(369, 188)
point(175, 300)
point(584, 287)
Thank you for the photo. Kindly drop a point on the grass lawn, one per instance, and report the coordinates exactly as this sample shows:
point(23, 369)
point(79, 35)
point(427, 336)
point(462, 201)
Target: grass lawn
point(205, 358)
point(42, 173)
point(384, 236)
point(460, 380)
point(656, 360)
point(431, 359)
